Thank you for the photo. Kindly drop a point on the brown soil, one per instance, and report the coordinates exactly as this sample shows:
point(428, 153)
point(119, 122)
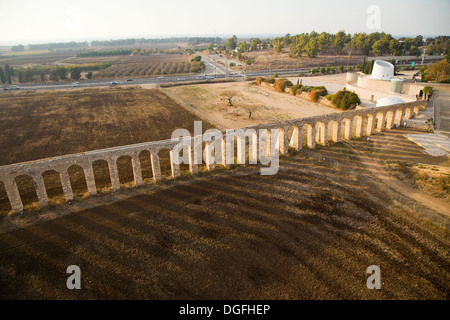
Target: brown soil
point(41, 125)
point(308, 232)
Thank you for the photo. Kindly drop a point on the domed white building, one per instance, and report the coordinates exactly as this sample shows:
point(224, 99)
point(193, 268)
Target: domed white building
point(382, 70)
point(387, 101)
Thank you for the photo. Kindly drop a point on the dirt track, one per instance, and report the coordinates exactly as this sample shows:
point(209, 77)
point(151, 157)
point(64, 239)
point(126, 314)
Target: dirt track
point(309, 232)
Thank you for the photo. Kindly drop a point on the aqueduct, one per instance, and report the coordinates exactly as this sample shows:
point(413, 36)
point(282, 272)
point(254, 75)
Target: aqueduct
point(318, 129)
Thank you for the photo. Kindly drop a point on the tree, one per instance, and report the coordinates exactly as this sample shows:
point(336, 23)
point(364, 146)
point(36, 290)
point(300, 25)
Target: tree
point(254, 44)
point(395, 47)
point(8, 73)
point(244, 46)
point(231, 43)
point(89, 75)
point(312, 48)
point(339, 41)
point(18, 48)
point(250, 109)
point(278, 45)
point(211, 47)
point(439, 71)
point(2, 75)
point(54, 75)
point(62, 73)
point(75, 74)
point(378, 48)
point(229, 95)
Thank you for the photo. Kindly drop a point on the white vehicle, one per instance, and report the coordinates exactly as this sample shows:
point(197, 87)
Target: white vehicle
point(159, 78)
point(200, 77)
point(13, 87)
point(75, 84)
point(210, 77)
point(181, 79)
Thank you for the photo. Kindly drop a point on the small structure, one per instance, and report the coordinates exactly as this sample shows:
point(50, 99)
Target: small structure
point(388, 101)
point(382, 70)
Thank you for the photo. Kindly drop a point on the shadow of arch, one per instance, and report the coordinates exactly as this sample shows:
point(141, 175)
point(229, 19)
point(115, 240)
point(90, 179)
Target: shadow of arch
point(146, 165)
point(125, 169)
point(5, 206)
point(53, 187)
point(101, 175)
point(77, 180)
point(27, 191)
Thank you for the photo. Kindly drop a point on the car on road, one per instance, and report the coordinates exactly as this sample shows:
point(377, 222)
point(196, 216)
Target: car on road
point(14, 87)
point(210, 77)
point(200, 78)
point(129, 80)
point(416, 74)
point(181, 79)
point(159, 78)
point(75, 84)
point(114, 83)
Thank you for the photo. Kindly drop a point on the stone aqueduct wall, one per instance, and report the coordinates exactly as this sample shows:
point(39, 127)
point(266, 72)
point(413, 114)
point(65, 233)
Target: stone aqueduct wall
point(353, 123)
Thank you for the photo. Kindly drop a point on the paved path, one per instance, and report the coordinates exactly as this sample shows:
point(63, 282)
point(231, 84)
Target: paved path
point(435, 144)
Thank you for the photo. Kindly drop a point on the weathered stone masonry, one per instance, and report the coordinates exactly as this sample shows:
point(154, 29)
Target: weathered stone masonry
point(349, 123)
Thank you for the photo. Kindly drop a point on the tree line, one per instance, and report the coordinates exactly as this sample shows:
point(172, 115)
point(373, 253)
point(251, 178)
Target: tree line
point(43, 74)
point(313, 44)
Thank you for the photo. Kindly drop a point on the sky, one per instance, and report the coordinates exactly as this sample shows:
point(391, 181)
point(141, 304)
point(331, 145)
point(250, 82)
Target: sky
point(25, 22)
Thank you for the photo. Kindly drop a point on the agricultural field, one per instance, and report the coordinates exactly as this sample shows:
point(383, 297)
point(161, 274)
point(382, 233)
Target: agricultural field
point(137, 66)
point(308, 232)
point(46, 124)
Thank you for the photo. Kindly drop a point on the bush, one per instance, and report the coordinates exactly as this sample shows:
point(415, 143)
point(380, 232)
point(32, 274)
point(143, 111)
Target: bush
point(270, 80)
point(275, 75)
point(329, 97)
point(345, 99)
point(232, 64)
point(296, 89)
point(316, 93)
point(248, 61)
point(259, 80)
point(428, 90)
point(280, 85)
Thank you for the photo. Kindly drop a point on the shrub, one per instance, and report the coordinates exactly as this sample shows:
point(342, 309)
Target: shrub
point(275, 75)
point(316, 93)
point(248, 61)
point(280, 85)
point(270, 80)
point(428, 90)
point(329, 97)
point(296, 88)
point(345, 99)
point(259, 80)
point(232, 64)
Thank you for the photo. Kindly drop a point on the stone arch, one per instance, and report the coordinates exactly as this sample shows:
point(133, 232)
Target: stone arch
point(102, 176)
point(146, 165)
point(398, 117)
point(295, 136)
point(5, 204)
point(125, 170)
point(380, 121)
point(347, 125)
point(334, 127)
point(321, 133)
point(77, 179)
point(408, 113)
point(53, 186)
point(389, 119)
point(310, 134)
point(358, 126)
point(370, 124)
point(164, 162)
point(27, 191)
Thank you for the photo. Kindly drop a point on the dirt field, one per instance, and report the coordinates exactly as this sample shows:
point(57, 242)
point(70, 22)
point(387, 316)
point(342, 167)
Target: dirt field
point(271, 105)
point(40, 125)
point(308, 232)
